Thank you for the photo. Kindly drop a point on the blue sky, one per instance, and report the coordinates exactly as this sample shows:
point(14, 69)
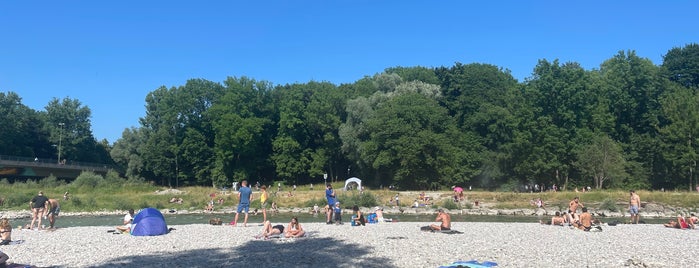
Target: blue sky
point(110, 54)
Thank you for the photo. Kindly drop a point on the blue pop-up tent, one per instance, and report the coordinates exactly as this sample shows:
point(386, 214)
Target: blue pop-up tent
point(149, 222)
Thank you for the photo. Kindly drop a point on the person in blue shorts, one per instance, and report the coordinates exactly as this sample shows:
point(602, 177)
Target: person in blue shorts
point(330, 196)
point(244, 197)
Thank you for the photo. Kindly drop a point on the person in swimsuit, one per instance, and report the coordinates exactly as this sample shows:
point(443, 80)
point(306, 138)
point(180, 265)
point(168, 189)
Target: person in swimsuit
point(634, 204)
point(445, 220)
point(39, 205)
point(573, 209)
point(5, 231)
point(269, 230)
point(54, 209)
point(585, 220)
point(294, 229)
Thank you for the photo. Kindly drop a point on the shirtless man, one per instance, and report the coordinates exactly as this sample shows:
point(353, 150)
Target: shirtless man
point(39, 205)
point(585, 220)
point(54, 209)
point(634, 205)
point(573, 209)
point(444, 218)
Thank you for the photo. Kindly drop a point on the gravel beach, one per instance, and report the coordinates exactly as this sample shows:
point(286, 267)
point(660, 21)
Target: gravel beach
point(376, 245)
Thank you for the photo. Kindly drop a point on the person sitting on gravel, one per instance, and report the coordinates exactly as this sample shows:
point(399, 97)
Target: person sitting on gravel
point(294, 229)
point(585, 222)
point(555, 220)
point(444, 219)
point(357, 218)
point(5, 231)
point(128, 219)
point(269, 230)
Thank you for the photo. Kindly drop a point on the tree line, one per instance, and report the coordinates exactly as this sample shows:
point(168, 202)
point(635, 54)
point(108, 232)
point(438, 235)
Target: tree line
point(627, 124)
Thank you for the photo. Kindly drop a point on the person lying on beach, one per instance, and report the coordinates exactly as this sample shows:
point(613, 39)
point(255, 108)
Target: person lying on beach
point(5, 231)
point(294, 229)
point(444, 219)
point(269, 230)
point(693, 220)
point(681, 223)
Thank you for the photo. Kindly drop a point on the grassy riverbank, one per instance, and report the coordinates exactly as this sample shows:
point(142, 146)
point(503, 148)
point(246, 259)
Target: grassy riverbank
point(94, 193)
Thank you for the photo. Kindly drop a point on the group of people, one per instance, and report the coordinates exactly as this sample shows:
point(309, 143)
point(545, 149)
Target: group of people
point(583, 221)
point(46, 207)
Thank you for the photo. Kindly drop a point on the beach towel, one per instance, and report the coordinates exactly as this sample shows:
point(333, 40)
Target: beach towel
point(471, 264)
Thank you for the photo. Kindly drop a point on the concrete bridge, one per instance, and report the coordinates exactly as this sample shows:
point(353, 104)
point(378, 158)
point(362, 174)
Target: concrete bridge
point(25, 167)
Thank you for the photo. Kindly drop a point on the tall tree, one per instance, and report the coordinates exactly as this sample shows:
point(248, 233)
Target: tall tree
point(682, 65)
point(602, 160)
point(71, 129)
point(23, 132)
point(680, 137)
point(242, 123)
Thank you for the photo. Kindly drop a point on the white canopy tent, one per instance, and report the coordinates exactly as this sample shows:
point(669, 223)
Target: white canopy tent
point(355, 180)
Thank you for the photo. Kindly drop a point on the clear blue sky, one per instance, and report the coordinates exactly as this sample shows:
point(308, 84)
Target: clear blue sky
point(110, 54)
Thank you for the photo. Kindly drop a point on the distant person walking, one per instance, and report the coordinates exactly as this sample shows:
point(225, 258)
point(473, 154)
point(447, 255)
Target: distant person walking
point(39, 205)
point(330, 196)
point(634, 205)
point(244, 197)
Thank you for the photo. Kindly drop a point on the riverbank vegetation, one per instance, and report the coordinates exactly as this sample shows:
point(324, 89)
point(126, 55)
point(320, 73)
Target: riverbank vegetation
point(93, 193)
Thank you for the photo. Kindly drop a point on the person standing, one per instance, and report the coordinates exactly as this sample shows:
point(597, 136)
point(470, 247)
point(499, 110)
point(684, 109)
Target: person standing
point(634, 205)
point(263, 201)
point(573, 208)
point(39, 205)
point(54, 209)
point(244, 199)
point(330, 196)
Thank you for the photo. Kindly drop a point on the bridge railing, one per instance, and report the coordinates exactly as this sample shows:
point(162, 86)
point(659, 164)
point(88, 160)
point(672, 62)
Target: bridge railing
point(28, 161)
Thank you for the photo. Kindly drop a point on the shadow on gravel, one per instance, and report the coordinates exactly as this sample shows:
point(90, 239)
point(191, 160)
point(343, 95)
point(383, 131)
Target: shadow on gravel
point(304, 252)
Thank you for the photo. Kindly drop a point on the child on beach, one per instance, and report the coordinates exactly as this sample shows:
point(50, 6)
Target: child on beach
point(338, 213)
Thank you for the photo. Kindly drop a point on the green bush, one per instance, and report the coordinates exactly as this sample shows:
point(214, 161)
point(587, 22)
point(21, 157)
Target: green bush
point(608, 204)
point(449, 204)
point(321, 202)
point(87, 180)
point(365, 199)
point(51, 182)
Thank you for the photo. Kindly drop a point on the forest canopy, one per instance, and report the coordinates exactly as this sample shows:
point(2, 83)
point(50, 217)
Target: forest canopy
point(627, 124)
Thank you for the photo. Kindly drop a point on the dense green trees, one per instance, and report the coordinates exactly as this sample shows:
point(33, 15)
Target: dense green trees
point(627, 124)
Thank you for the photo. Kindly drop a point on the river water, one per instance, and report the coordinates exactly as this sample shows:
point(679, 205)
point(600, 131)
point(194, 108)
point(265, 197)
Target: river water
point(180, 219)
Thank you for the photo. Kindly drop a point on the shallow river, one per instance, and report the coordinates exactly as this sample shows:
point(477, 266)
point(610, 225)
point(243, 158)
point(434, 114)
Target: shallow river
point(179, 219)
